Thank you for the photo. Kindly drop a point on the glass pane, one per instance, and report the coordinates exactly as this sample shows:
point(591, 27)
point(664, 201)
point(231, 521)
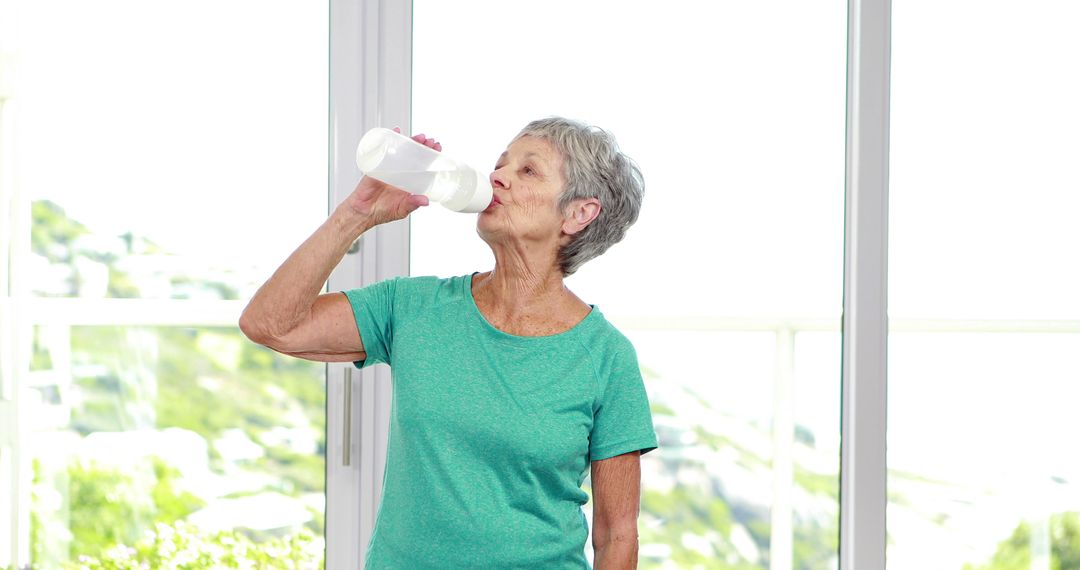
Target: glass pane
point(169, 154)
point(159, 142)
point(131, 427)
point(734, 112)
point(982, 292)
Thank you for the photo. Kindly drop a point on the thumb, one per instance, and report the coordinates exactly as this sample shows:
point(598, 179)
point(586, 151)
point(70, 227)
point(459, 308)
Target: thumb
point(415, 201)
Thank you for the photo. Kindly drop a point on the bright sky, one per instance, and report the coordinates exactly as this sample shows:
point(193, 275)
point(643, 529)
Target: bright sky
point(166, 119)
point(203, 126)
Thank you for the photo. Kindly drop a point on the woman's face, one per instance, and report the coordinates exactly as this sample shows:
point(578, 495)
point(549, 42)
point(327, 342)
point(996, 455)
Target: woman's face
point(527, 182)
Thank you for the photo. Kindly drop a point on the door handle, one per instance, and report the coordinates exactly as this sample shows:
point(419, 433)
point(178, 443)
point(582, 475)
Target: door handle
point(346, 419)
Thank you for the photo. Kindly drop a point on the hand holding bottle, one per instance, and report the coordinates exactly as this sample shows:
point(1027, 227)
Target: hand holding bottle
point(416, 166)
point(380, 202)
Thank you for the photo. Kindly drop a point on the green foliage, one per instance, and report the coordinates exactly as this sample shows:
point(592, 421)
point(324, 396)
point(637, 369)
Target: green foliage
point(121, 285)
point(40, 359)
point(816, 546)
point(698, 509)
point(817, 483)
point(182, 545)
point(171, 505)
point(1014, 553)
point(52, 233)
point(224, 290)
point(659, 409)
point(206, 380)
point(716, 442)
point(300, 472)
point(109, 507)
point(209, 380)
point(207, 391)
point(37, 527)
point(686, 510)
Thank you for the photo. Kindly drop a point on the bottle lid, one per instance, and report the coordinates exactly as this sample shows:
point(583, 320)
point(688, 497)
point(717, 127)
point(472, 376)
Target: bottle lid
point(473, 196)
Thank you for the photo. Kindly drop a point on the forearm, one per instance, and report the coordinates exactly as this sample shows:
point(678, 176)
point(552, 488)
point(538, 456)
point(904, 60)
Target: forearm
point(616, 555)
point(287, 296)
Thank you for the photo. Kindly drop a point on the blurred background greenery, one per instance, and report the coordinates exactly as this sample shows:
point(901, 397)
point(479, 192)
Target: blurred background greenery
point(258, 418)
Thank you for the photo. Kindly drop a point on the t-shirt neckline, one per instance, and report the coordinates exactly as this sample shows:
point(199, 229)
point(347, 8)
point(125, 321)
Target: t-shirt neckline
point(593, 314)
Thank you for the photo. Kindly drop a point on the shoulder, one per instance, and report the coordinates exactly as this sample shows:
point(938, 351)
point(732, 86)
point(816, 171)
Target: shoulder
point(606, 340)
point(609, 349)
point(427, 284)
point(409, 286)
point(405, 295)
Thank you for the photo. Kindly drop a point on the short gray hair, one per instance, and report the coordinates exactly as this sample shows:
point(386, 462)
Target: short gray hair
point(593, 167)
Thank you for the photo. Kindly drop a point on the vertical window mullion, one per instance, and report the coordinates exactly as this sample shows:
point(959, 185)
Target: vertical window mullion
point(370, 86)
point(863, 404)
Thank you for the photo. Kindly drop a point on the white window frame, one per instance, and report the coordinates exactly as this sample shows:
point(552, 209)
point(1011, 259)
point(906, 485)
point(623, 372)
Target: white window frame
point(370, 86)
point(864, 322)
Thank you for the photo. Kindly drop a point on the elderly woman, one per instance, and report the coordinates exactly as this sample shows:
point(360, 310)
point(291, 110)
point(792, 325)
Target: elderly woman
point(506, 384)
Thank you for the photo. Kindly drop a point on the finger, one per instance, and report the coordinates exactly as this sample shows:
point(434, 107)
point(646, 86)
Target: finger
point(438, 147)
point(397, 129)
point(410, 204)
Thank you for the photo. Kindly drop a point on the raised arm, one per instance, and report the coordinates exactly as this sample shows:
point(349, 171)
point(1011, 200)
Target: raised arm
point(616, 486)
point(288, 313)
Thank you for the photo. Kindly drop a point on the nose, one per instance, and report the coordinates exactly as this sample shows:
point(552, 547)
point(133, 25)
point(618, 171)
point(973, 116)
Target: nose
point(498, 179)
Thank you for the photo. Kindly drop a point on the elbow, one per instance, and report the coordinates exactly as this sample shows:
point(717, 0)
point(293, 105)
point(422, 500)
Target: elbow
point(616, 549)
point(625, 535)
point(250, 326)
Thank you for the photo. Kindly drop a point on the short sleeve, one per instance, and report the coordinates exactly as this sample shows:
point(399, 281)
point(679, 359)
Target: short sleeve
point(373, 308)
point(622, 420)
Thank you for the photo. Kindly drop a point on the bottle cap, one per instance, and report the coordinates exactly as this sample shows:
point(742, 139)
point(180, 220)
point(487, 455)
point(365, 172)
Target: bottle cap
point(473, 196)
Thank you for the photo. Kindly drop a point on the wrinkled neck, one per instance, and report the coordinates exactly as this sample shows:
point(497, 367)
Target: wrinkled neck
point(526, 279)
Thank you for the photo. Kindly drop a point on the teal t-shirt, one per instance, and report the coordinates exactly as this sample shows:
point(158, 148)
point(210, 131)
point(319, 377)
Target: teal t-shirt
point(491, 434)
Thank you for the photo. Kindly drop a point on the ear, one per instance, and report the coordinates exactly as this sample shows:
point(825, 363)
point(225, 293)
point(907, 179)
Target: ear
point(580, 214)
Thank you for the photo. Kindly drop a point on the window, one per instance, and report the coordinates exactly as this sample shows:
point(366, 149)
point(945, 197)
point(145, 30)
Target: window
point(160, 160)
point(983, 312)
point(730, 283)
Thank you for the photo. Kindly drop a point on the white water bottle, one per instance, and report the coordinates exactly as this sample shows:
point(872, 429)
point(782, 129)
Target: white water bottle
point(399, 161)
